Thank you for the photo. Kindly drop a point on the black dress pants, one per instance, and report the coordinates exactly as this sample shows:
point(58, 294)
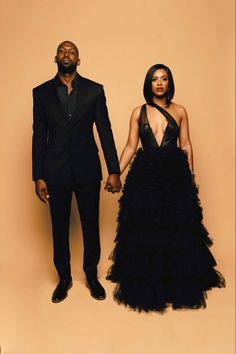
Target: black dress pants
point(87, 197)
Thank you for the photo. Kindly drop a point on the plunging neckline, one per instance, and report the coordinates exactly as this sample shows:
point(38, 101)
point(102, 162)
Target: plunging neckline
point(161, 110)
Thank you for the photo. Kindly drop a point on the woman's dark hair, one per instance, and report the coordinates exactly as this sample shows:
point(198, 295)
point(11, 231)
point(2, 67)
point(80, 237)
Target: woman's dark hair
point(147, 88)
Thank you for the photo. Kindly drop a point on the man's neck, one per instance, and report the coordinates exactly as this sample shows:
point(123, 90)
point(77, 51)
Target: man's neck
point(67, 78)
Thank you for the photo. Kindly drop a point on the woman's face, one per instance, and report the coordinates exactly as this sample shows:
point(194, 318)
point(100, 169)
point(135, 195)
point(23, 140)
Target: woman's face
point(160, 83)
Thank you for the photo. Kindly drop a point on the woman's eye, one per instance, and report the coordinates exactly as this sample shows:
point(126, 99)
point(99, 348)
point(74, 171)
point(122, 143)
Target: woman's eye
point(165, 79)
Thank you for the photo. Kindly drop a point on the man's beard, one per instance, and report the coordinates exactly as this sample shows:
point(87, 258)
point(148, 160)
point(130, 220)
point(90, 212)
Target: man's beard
point(66, 69)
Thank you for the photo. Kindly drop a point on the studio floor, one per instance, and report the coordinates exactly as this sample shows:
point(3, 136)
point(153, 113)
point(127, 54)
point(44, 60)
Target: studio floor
point(31, 324)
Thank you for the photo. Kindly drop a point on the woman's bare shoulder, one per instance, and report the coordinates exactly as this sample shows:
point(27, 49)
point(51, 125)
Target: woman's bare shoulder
point(137, 109)
point(136, 112)
point(179, 109)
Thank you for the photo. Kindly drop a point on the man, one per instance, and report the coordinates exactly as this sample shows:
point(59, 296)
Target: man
point(65, 160)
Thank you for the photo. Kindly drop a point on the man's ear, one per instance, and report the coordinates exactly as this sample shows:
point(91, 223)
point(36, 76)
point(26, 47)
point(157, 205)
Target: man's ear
point(78, 62)
point(55, 59)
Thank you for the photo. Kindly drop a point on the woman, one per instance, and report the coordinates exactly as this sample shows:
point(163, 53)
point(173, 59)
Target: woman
point(162, 255)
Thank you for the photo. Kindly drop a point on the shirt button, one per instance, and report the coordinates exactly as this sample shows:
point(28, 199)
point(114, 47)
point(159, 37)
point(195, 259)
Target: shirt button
point(69, 115)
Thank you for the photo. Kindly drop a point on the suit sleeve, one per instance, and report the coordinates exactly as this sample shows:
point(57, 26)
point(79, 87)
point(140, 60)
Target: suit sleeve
point(39, 141)
point(103, 125)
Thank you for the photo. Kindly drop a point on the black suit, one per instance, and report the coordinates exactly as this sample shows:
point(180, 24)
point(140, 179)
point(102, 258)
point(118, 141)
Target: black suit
point(65, 155)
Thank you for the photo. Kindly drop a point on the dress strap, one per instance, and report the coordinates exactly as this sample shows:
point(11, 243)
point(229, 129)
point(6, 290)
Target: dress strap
point(165, 113)
point(143, 115)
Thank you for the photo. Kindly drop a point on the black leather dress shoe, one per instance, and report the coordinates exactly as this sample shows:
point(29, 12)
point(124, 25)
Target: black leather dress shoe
point(61, 291)
point(96, 289)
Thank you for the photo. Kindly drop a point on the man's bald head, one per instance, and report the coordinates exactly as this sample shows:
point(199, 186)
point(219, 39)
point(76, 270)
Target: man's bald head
point(68, 44)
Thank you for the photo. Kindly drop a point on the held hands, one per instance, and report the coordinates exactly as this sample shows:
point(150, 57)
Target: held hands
point(113, 183)
point(41, 190)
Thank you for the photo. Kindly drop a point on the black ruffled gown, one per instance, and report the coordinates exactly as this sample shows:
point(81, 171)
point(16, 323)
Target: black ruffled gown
point(162, 255)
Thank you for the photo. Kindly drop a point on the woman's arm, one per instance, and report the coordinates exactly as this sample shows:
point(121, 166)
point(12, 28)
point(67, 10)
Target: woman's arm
point(184, 138)
point(132, 142)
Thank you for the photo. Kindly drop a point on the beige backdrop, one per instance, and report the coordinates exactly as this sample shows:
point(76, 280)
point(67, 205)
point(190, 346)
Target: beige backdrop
point(118, 42)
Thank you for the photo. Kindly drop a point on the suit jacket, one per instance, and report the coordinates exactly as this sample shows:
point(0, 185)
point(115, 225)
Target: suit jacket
point(64, 148)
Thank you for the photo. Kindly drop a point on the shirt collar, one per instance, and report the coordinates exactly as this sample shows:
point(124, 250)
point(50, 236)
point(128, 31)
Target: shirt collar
point(75, 81)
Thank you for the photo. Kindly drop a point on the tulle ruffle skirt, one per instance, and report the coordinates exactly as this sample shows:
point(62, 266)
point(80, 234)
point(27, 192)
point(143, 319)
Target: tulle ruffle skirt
point(162, 255)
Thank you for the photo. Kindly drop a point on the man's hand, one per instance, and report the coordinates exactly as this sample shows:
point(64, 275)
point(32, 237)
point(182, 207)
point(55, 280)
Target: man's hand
point(113, 183)
point(41, 190)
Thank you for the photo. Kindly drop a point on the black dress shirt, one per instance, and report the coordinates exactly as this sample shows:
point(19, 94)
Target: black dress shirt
point(68, 101)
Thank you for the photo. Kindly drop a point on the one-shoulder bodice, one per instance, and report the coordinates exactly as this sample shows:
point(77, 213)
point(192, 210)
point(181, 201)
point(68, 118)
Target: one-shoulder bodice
point(147, 137)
